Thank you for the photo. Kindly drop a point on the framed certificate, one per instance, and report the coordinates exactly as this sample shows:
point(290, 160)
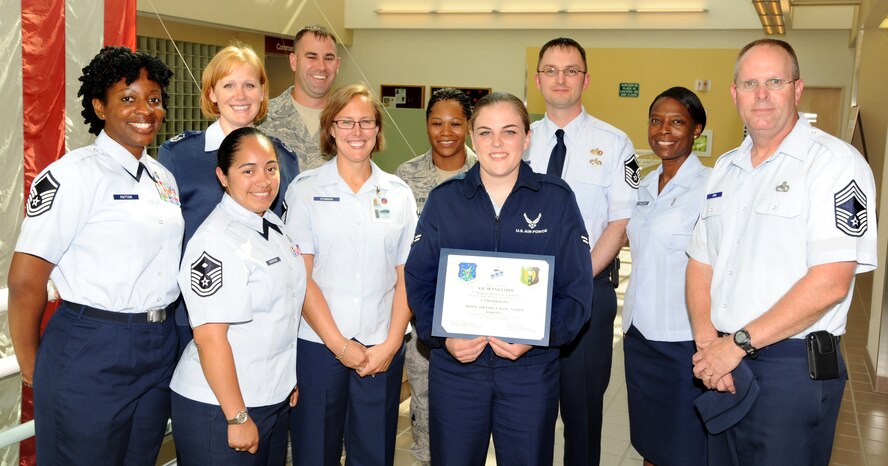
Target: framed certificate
point(484, 293)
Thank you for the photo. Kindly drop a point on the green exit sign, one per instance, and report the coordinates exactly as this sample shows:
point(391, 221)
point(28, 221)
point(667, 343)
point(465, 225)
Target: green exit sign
point(628, 89)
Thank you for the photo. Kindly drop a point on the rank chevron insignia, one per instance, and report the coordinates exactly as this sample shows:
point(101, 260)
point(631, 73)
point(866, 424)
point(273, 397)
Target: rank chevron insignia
point(206, 275)
point(850, 203)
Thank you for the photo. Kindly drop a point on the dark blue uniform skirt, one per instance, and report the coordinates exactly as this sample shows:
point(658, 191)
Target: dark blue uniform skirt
point(102, 389)
point(201, 434)
point(664, 426)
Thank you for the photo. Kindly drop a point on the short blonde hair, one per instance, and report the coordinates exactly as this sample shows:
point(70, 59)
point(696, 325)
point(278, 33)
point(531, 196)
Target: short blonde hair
point(337, 101)
point(222, 65)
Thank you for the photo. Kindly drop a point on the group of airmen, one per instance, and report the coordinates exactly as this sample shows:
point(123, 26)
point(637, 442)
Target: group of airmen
point(285, 238)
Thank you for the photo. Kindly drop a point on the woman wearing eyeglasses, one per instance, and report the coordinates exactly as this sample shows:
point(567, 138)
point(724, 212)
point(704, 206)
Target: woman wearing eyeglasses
point(354, 224)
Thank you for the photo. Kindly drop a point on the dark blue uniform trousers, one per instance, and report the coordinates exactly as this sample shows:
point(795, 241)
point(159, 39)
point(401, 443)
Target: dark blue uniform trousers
point(101, 389)
point(201, 434)
point(585, 374)
point(793, 421)
point(468, 402)
point(335, 403)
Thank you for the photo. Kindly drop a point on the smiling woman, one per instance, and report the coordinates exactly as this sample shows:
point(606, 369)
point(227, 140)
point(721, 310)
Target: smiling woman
point(104, 223)
point(354, 224)
point(234, 91)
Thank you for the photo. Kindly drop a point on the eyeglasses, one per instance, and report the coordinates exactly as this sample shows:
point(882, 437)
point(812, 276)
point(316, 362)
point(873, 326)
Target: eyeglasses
point(773, 84)
point(552, 72)
point(350, 124)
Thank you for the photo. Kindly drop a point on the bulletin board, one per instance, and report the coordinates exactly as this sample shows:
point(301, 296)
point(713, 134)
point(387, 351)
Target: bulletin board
point(402, 96)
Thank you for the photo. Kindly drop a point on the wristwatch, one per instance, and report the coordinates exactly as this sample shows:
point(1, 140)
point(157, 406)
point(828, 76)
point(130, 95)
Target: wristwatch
point(741, 339)
point(238, 418)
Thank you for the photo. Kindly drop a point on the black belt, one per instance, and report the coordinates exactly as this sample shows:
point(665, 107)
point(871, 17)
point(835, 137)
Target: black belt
point(153, 316)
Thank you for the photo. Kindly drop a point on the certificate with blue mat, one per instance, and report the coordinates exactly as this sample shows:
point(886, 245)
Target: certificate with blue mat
point(498, 294)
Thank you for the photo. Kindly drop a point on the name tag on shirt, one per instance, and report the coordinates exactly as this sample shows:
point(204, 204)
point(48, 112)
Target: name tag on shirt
point(273, 261)
point(126, 197)
point(326, 199)
point(714, 195)
point(642, 202)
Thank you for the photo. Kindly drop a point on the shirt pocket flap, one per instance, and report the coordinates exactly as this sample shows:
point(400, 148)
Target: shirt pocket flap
point(781, 206)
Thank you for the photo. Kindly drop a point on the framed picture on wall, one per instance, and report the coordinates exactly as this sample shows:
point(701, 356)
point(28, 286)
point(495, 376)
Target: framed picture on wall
point(402, 96)
point(703, 144)
point(474, 93)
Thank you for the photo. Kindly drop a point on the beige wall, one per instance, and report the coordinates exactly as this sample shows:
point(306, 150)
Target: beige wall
point(496, 59)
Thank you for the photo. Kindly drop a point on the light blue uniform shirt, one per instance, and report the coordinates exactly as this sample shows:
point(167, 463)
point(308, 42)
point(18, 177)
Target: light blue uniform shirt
point(600, 167)
point(356, 246)
point(231, 274)
point(659, 231)
point(812, 202)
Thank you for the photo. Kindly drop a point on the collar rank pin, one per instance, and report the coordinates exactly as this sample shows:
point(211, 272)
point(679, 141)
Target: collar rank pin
point(782, 188)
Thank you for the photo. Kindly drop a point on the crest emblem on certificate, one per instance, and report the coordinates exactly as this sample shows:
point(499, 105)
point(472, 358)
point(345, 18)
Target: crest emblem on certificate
point(43, 192)
point(851, 210)
point(530, 275)
point(467, 271)
point(206, 275)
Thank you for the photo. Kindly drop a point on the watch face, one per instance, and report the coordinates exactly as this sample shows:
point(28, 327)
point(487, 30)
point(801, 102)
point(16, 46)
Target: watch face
point(741, 337)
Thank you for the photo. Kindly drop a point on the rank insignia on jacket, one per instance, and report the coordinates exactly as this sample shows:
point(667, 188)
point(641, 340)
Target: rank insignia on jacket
point(632, 171)
point(851, 210)
point(43, 192)
point(206, 275)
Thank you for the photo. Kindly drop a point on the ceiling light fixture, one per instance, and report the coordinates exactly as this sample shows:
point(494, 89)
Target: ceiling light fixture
point(770, 13)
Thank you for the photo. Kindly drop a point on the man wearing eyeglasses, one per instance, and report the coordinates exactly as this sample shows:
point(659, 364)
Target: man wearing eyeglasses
point(598, 162)
point(788, 220)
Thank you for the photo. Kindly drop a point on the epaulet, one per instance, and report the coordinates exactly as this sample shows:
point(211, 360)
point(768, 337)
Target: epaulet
point(280, 144)
point(554, 180)
point(181, 137)
point(727, 155)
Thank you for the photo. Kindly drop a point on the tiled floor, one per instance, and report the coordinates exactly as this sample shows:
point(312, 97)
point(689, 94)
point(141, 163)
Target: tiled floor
point(862, 432)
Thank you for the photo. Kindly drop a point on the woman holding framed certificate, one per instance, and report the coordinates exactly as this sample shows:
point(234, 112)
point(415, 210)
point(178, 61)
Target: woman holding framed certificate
point(485, 384)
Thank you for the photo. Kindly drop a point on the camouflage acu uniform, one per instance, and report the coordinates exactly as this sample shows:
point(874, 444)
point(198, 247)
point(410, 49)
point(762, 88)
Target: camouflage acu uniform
point(285, 123)
point(420, 174)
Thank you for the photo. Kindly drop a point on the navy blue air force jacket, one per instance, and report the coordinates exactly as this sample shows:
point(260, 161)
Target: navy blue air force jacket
point(459, 214)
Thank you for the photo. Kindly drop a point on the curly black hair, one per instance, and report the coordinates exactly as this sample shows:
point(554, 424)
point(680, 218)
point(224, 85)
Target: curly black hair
point(449, 93)
point(111, 65)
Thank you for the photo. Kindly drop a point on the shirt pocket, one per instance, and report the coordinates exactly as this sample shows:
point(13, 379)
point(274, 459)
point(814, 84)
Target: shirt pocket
point(780, 223)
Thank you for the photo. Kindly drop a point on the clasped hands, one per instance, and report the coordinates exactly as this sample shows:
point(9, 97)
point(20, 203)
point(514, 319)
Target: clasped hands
point(714, 361)
point(466, 351)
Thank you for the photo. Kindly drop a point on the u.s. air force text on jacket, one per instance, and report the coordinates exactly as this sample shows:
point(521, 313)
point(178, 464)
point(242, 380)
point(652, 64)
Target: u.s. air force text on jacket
point(358, 240)
point(761, 229)
point(112, 226)
point(240, 269)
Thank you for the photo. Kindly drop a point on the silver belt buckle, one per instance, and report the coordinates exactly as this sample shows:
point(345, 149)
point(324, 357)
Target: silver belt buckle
point(157, 314)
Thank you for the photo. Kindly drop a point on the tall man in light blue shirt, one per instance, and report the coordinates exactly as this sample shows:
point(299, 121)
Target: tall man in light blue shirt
point(598, 162)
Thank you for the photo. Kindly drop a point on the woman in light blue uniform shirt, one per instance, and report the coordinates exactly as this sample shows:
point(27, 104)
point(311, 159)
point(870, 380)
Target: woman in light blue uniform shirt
point(658, 343)
point(354, 223)
point(243, 281)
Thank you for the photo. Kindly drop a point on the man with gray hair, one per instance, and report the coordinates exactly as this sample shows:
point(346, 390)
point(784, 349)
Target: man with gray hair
point(788, 220)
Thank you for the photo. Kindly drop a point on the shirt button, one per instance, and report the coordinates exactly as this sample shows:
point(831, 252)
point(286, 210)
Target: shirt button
point(724, 306)
point(730, 273)
point(746, 209)
point(161, 247)
point(292, 346)
point(159, 274)
point(160, 221)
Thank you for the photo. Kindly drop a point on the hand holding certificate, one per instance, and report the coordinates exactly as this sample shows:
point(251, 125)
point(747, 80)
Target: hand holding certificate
point(483, 293)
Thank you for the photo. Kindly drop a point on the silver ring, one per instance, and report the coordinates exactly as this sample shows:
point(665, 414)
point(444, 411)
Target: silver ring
point(372, 375)
point(237, 449)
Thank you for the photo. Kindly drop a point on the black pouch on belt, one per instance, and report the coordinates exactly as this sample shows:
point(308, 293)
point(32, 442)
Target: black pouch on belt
point(823, 355)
